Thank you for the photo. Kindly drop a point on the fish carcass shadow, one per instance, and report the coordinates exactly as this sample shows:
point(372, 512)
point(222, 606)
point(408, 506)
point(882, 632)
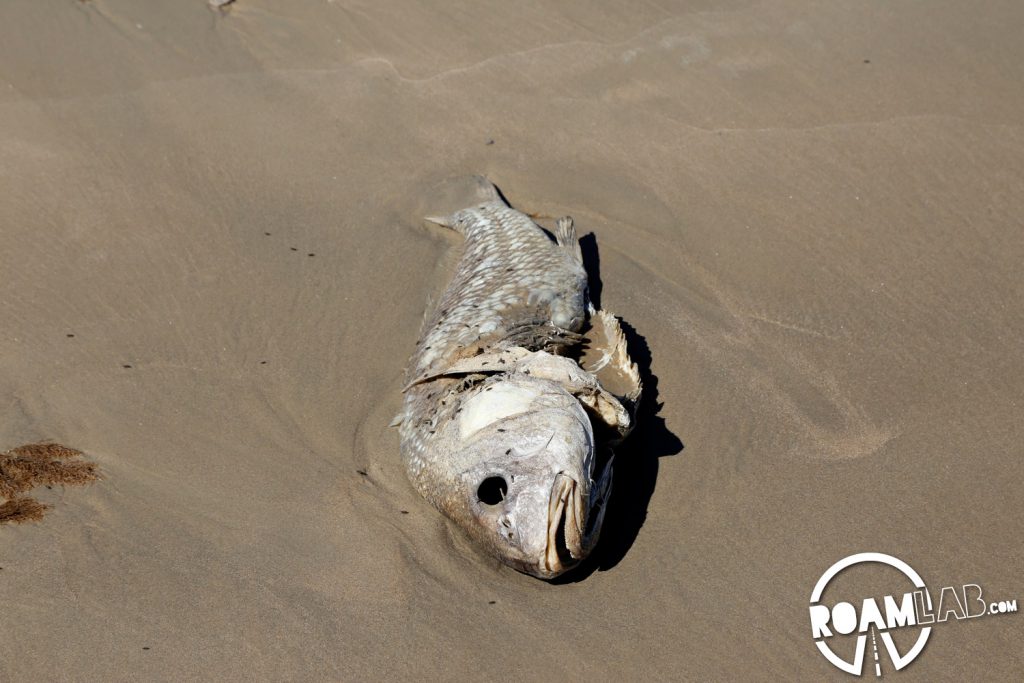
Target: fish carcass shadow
point(636, 459)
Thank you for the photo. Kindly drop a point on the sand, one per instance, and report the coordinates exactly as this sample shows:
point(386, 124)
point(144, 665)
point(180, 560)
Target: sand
point(809, 213)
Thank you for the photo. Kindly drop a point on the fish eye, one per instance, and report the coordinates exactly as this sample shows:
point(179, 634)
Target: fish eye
point(492, 490)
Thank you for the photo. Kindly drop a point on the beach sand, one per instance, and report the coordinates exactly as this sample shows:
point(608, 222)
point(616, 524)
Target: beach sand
point(809, 214)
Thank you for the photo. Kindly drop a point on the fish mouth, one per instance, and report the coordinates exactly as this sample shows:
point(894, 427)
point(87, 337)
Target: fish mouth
point(573, 526)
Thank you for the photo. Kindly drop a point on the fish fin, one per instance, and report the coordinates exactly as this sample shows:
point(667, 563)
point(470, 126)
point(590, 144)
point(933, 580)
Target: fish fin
point(565, 235)
point(609, 410)
point(476, 186)
point(397, 420)
point(443, 221)
point(604, 407)
point(607, 357)
point(486, 190)
point(485, 363)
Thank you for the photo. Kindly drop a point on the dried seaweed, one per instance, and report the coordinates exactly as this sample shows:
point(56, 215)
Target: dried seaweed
point(38, 464)
point(21, 509)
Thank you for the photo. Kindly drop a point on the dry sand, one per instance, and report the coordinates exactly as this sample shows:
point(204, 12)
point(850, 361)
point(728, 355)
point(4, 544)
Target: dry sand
point(811, 212)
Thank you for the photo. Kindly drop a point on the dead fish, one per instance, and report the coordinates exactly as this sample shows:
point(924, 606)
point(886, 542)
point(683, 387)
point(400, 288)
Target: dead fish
point(506, 424)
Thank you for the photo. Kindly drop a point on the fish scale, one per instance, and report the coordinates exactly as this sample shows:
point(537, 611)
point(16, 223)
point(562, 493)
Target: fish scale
point(510, 273)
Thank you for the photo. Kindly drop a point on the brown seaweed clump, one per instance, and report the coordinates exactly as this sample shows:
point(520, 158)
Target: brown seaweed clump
point(38, 464)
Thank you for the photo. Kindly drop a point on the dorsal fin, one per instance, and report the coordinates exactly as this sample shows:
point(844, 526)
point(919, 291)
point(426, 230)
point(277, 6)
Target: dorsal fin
point(565, 235)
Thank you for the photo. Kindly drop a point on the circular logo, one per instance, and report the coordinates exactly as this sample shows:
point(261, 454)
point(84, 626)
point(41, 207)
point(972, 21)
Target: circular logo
point(843, 618)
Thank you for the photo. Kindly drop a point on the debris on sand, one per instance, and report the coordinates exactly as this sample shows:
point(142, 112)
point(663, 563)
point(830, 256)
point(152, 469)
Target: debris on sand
point(38, 464)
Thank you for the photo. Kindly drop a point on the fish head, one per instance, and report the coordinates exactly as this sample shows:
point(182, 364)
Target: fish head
point(529, 496)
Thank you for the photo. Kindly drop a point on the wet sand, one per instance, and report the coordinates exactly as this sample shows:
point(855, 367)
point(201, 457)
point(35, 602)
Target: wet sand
point(808, 214)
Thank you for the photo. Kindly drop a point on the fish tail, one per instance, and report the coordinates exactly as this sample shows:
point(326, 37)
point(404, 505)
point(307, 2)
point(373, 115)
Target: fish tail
point(486, 190)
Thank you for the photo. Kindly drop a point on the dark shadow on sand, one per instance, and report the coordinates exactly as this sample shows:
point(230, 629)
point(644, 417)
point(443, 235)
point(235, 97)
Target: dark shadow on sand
point(636, 460)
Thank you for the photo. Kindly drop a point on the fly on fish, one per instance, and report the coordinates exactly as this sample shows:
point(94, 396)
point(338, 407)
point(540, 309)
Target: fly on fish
point(517, 392)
